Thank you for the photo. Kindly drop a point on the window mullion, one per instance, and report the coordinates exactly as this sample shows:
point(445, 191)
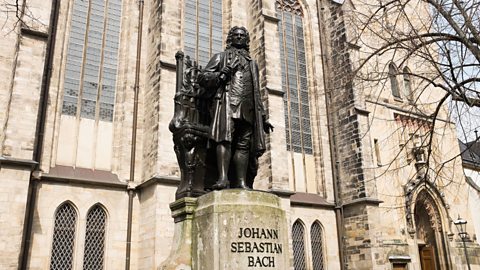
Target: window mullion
point(100, 71)
point(197, 24)
point(210, 25)
point(84, 56)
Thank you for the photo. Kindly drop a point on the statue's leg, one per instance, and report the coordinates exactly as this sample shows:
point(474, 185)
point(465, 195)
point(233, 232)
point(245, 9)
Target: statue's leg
point(224, 153)
point(242, 152)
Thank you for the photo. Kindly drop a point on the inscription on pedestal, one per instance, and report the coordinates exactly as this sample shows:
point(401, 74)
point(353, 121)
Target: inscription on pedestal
point(239, 230)
point(259, 244)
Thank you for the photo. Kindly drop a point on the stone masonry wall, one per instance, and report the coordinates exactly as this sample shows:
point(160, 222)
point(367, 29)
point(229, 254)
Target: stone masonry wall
point(256, 29)
point(348, 142)
point(13, 196)
point(151, 98)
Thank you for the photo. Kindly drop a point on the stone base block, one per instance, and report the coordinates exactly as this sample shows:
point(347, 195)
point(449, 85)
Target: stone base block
point(239, 229)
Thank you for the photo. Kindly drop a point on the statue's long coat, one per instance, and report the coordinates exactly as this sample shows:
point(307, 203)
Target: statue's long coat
point(220, 128)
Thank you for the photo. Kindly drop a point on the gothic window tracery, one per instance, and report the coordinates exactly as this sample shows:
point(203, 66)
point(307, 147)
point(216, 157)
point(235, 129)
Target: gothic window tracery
point(292, 6)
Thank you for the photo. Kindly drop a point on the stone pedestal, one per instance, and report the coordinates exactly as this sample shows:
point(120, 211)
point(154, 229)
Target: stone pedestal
point(232, 229)
point(180, 257)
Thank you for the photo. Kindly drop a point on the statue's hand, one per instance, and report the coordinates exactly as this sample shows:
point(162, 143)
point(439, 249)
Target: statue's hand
point(267, 127)
point(225, 73)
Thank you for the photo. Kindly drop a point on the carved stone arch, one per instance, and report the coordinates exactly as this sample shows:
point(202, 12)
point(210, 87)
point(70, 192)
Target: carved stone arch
point(427, 217)
point(416, 188)
point(427, 202)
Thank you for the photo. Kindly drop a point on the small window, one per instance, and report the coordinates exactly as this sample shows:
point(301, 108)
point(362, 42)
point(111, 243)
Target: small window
point(95, 239)
point(377, 152)
point(317, 246)
point(407, 83)
point(298, 239)
point(63, 238)
point(392, 75)
point(399, 266)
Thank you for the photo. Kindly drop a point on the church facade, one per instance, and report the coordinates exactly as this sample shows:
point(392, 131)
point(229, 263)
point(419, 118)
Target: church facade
point(88, 169)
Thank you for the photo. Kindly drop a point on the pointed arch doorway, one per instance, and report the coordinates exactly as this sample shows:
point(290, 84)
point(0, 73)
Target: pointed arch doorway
point(429, 233)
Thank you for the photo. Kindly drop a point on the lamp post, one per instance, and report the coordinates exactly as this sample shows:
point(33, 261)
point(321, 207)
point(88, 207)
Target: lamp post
point(461, 225)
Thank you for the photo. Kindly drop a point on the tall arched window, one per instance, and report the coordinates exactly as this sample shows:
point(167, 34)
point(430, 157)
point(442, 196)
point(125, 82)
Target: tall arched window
point(91, 68)
point(407, 83)
point(86, 127)
point(93, 257)
point(392, 75)
point(317, 246)
point(298, 239)
point(63, 237)
point(202, 29)
point(294, 77)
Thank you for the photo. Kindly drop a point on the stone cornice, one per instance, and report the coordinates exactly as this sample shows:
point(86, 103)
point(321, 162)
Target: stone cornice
point(275, 92)
point(311, 200)
point(81, 176)
point(34, 33)
point(406, 112)
point(166, 180)
point(168, 65)
point(366, 200)
point(269, 17)
point(78, 181)
point(17, 162)
point(281, 192)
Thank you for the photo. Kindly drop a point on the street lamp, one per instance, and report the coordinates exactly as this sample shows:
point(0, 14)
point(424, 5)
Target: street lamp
point(461, 225)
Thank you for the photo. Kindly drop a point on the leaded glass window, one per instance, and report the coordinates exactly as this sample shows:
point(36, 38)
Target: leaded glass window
point(92, 56)
point(298, 239)
point(392, 75)
point(294, 77)
point(317, 246)
point(202, 29)
point(63, 238)
point(95, 239)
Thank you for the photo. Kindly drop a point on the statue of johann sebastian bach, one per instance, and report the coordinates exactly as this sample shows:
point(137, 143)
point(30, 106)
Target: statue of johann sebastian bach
point(238, 117)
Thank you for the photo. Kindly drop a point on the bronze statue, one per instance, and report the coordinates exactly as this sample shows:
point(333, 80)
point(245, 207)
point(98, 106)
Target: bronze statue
point(238, 119)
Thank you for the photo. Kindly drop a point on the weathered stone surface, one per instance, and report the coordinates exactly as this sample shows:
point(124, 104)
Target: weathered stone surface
point(239, 229)
point(180, 257)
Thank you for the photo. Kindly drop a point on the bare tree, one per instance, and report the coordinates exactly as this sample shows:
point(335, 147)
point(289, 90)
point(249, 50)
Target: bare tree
point(15, 13)
point(434, 45)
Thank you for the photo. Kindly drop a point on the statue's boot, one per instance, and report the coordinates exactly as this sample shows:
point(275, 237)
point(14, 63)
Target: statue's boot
point(240, 160)
point(221, 184)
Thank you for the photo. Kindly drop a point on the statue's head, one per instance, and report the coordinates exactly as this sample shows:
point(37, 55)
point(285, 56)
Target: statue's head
point(239, 38)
